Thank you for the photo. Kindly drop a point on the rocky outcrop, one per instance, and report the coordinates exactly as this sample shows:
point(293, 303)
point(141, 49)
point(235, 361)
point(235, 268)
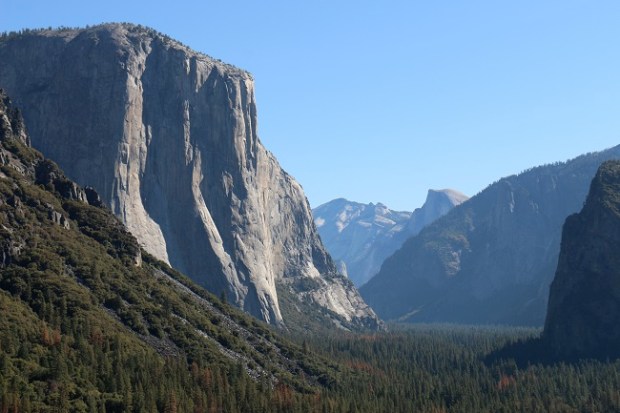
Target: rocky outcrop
point(438, 203)
point(168, 138)
point(491, 259)
point(11, 121)
point(361, 236)
point(67, 264)
point(583, 316)
point(13, 140)
point(58, 218)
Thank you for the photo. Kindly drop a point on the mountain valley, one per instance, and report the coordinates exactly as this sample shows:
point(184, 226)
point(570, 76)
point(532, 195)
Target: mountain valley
point(491, 259)
point(167, 137)
point(360, 237)
point(155, 257)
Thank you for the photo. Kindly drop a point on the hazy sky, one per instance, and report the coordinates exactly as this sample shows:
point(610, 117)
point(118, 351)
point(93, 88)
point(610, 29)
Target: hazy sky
point(381, 100)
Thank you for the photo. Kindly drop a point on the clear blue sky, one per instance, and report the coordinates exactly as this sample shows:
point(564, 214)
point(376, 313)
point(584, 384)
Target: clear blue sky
point(379, 101)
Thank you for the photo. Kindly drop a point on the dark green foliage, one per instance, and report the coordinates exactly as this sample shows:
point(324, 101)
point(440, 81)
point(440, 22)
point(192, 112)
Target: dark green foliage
point(445, 369)
point(605, 188)
point(79, 335)
point(584, 298)
point(89, 323)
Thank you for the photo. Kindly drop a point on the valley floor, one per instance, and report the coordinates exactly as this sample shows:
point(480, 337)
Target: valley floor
point(426, 368)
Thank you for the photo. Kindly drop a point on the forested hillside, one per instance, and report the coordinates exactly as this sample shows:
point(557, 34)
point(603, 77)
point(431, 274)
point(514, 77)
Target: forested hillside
point(168, 138)
point(90, 323)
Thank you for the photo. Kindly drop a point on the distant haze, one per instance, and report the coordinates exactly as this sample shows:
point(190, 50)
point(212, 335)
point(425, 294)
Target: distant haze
point(377, 102)
point(361, 236)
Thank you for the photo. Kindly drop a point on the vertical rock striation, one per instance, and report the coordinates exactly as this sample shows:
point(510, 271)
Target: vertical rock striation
point(168, 137)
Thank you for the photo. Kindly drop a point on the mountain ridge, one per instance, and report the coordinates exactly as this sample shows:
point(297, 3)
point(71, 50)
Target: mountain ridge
point(361, 236)
point(85, 312)
point(584, 298)
point(168, 137)
point(491, 259)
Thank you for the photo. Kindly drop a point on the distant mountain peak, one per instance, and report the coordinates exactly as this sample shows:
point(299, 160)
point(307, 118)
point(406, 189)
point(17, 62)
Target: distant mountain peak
point(454, 196)
point(361, 236)
point(438, 203)
point(491, 259)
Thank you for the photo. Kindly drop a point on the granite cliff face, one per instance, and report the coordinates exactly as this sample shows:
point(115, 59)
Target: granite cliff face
point(583, 317)
point(361, 236)
point(491, 259)
point(168, 137)
point(68, 265)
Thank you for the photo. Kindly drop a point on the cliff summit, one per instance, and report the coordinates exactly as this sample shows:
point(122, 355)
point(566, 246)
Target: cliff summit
point(168, 137)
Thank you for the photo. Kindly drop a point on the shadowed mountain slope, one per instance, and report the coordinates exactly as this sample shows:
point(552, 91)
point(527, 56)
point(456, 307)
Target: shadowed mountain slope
point(583, 318)
point(491, 259)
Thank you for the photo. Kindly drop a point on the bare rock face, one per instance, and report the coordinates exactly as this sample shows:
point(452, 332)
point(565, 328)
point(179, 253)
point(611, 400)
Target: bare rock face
point(583, 316)
point(167, 136)
point(11, 121)
point(438, 203)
